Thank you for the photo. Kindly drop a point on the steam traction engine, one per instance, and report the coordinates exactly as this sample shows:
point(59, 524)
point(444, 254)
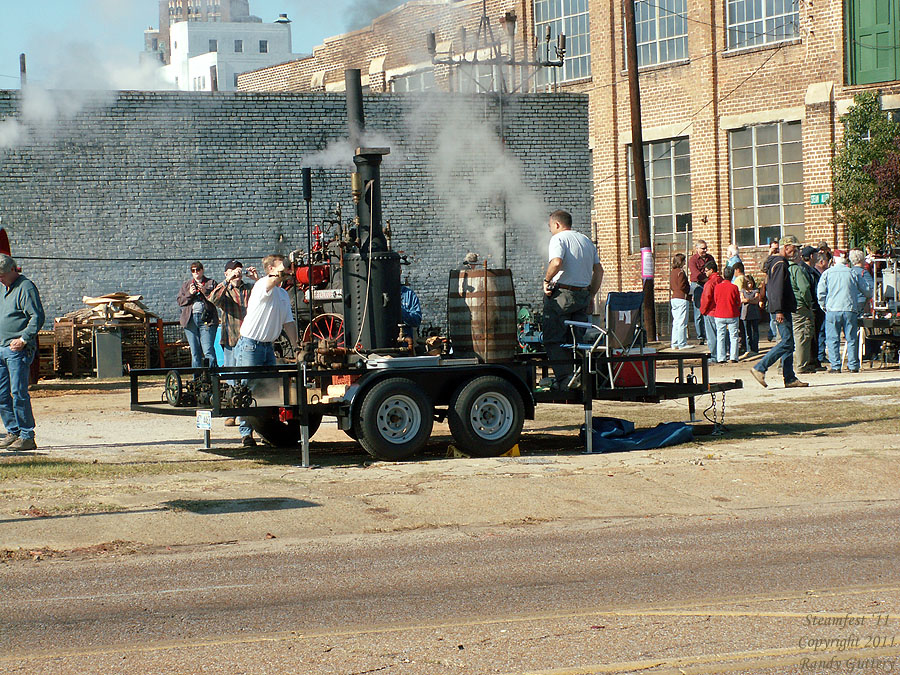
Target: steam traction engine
point(353, 365)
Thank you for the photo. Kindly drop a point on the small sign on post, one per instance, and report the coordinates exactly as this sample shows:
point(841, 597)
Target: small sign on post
point(819, 198)
point(204, 422)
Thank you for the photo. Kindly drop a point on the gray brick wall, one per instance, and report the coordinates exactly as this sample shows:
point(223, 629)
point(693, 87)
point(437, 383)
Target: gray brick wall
point(121, 197)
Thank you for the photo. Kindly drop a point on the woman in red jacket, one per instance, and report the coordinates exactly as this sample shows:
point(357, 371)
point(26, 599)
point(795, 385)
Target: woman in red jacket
point(728, 313)
point(708, 307)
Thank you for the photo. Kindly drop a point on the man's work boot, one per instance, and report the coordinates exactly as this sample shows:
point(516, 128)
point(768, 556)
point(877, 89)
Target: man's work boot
point(230, 422)
point(248, 442)
point(8, 440)
point(759, 377)
point(23, 444)
point(795, 383)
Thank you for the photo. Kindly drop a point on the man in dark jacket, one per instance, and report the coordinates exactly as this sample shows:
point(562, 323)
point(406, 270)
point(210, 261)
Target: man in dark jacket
point(199, 317)
point(697, 274)
point(809, 255)
point(781, 303)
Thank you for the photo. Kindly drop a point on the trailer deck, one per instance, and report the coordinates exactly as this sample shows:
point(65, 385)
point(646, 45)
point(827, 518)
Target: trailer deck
point(389, 405)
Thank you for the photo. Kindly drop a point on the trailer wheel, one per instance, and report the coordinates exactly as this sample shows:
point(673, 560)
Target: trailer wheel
point(395, 419)
point(282, 434)
point(486, 416)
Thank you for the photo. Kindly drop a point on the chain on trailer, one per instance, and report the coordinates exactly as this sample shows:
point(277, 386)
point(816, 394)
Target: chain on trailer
point(718, 423)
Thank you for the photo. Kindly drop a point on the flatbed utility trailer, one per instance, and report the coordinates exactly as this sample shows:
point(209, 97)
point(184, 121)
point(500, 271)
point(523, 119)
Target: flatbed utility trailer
point(390, 404)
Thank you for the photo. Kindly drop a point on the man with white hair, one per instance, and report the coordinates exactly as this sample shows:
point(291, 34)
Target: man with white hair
point(21, 317)
point(838, 292)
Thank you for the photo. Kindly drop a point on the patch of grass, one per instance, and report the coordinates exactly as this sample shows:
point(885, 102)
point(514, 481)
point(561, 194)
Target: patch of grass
point(23, 468)
point(73, 508)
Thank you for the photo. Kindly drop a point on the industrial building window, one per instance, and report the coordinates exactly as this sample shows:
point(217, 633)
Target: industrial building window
point(667, 167)
point(238, 46)
point(478, 78)
point(235, 81)
point(263, 46)
point(661, 29)
point(569, 17)
point(873, 43)
point(420, 81)
point(760, 22)
point(213, 45)
point(766, 183)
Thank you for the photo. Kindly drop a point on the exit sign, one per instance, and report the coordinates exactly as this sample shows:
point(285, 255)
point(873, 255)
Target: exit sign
point(817, 198)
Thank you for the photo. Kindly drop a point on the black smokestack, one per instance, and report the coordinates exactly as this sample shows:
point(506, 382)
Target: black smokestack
point(356, 117)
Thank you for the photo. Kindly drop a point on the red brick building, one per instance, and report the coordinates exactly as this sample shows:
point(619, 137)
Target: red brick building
point(393, 56)
point(741, 103)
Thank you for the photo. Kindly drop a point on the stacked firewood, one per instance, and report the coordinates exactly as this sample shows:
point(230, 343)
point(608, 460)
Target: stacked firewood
point(109, 307)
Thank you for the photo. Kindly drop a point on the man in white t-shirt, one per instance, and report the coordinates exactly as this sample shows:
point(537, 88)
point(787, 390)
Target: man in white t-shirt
point(268, 314)
point(573, 277)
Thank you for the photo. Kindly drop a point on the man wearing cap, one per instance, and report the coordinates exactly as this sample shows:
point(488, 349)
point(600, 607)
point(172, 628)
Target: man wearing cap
point(809, 255)
point(838, 291)
point(782, 304)
point(231, 296)
point(199, 317)
point(803, 318)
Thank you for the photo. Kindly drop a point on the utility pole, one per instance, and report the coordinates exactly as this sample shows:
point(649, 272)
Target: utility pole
point(23, 76)
point(640, 179)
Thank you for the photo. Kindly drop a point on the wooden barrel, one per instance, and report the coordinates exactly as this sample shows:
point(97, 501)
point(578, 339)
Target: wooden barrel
point(481, 314)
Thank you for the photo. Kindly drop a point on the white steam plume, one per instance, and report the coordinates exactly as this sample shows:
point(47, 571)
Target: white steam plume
point(338, 154)
point(475, 178)
point(362, 12)
point(77, 79)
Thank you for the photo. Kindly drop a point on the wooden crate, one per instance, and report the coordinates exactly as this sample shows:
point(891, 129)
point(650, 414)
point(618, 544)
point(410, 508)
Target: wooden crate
point(46, 348)
point(73, 350)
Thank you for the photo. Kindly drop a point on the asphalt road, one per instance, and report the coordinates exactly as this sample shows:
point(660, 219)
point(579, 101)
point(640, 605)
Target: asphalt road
point(761, 591)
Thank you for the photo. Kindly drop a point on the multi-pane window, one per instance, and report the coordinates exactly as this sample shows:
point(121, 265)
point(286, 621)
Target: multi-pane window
point(421, 81)
point(569, 17)
point(766, 183)
point(760, 22)
point(478, 78)
point(263, 46)
point(238, 46)
point(213, 45)
point(667, 168)
point(661, 29)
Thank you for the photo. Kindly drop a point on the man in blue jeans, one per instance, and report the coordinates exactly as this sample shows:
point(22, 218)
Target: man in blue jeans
point(199, 317)
point(839, 290)
point(21, 317)
point(268, 313)
point(781, 303)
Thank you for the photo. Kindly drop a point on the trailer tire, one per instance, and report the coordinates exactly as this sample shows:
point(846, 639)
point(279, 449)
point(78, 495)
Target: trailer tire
point(283, 434)
point(486, 416)
point(395, 419)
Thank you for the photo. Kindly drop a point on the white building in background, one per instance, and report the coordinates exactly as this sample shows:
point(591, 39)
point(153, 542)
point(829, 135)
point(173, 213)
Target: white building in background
point(202, 51)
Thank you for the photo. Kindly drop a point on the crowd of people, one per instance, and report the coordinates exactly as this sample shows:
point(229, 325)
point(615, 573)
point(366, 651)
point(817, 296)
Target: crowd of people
point(255, 313)
point(807, 297)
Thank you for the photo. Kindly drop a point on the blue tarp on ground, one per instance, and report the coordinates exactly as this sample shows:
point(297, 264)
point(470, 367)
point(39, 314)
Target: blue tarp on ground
point(612, 434)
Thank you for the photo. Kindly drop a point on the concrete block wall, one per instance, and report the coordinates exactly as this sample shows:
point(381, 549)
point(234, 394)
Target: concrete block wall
point(123, 196)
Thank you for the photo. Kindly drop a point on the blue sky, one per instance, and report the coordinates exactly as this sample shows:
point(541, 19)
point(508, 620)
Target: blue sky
point(57, 33)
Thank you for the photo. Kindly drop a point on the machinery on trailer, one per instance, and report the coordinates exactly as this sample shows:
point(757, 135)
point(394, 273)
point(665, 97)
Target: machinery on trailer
point(364, 374)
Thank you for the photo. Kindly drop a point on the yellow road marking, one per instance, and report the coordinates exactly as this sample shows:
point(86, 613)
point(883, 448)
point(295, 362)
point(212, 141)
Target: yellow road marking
point(673, 610)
